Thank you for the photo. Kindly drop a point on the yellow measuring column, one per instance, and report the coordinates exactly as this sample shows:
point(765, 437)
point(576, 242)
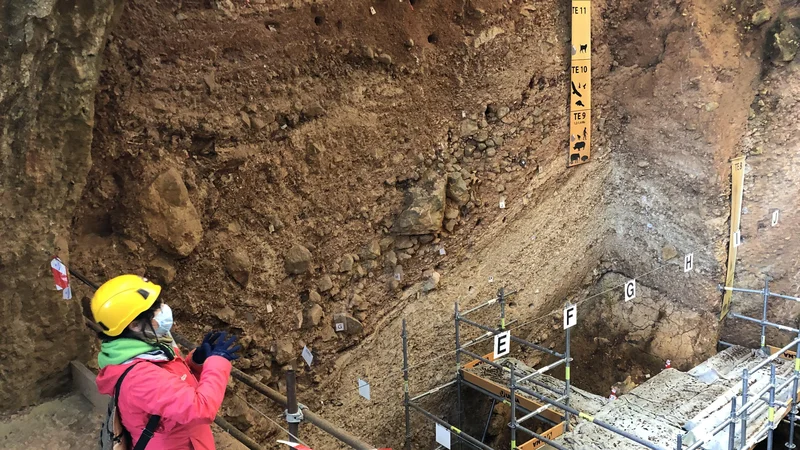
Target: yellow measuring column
point(580, 97)
point(737, 191)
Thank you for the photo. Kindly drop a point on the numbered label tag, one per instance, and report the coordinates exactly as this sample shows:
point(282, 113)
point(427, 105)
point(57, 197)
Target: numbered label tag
point(570, 316)
point(775, 216)
point(339, 326)
point(443, 436)
point(502, 344)
point(307, 356)
point(442, 251)
point(737, 238)
point(502, 203)
point(688, 262)
point(630, 290)
point(363, 389)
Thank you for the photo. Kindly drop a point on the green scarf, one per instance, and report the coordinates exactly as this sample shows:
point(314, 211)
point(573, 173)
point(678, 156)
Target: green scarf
point(119, 350)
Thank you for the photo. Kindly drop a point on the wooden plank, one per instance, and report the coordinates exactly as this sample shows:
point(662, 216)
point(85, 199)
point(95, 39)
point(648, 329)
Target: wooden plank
point(504, 392)
point(475, 362)
point(789, 354)
point(83, 381)
point(536, 444)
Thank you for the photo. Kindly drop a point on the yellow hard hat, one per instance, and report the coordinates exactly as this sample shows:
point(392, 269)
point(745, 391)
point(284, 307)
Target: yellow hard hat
point(119, 300)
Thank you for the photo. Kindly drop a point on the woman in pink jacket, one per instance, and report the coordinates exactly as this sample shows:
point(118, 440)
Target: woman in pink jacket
point(138, 349)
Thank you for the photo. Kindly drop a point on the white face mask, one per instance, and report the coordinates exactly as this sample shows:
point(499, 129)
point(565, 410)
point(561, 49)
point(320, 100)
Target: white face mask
point(164, 319)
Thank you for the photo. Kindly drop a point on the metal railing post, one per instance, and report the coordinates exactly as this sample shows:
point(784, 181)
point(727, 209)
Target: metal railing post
point(405, 387)
point(567, 378)
point(771, 410)
point(501, 297)
point(513, 391)
point(745, 383)
point(793, 412)
point(460, 406)
point(764, 318)
point(680, 442)
point(732, 430)
point(291, 404)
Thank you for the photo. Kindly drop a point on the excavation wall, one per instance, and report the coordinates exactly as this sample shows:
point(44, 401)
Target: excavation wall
point(49, 68)
point(281, 167)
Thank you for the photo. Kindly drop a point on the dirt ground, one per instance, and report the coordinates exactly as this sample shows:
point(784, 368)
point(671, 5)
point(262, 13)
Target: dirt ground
point(69, 423)
point(228, 133)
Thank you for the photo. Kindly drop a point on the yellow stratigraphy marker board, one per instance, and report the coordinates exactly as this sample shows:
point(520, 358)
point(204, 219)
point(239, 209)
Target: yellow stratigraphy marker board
point(737, 192)
point(580, 98)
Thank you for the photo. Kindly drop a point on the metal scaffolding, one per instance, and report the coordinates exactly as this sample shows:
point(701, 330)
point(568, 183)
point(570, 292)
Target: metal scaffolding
point(541, 407)
point(526, 403)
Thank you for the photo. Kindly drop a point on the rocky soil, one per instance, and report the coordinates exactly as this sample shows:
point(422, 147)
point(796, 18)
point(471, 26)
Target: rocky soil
point(284, 168)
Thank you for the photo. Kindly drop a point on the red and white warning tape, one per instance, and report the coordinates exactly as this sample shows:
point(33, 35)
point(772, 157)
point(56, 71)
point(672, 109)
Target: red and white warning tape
point(60, 277)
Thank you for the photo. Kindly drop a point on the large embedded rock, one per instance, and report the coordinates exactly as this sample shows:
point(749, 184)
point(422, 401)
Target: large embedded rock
point(424, 211)
point(169, 216)
point(783, 38)
point(457, 189)
point(297, 260)
point(238, 265)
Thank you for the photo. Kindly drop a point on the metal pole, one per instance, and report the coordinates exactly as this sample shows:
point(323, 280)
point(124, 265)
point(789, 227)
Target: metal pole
point(771, 410)
point(542, 438)
point(291, 406)
point(502, 299)
point(763, 323)
point(542, 370)
point(485, 304)
point(538, 411)
point(566, 379)
point(237, 434)
point(680, 442)
point(732, 430)
point(488, 420)
point(460, 406)
point(432, 391)
point(764, 318)
point(743, 428)
point(777, 354)
point(406, 402)
point(753, 291)
point(513, 389)
point(793, 412)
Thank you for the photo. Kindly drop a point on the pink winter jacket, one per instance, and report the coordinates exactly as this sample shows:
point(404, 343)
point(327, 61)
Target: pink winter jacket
point(187, 396)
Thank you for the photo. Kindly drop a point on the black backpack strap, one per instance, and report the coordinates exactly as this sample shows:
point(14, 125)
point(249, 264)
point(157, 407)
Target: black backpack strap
point(118, 385)
point(152, 422)
point(147, 433)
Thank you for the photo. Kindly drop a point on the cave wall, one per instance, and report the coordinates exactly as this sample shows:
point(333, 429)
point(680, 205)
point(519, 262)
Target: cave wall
point(48, 73)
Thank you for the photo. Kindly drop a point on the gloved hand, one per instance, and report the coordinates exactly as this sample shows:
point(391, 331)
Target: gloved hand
point(204, 350)
point(223, 346)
